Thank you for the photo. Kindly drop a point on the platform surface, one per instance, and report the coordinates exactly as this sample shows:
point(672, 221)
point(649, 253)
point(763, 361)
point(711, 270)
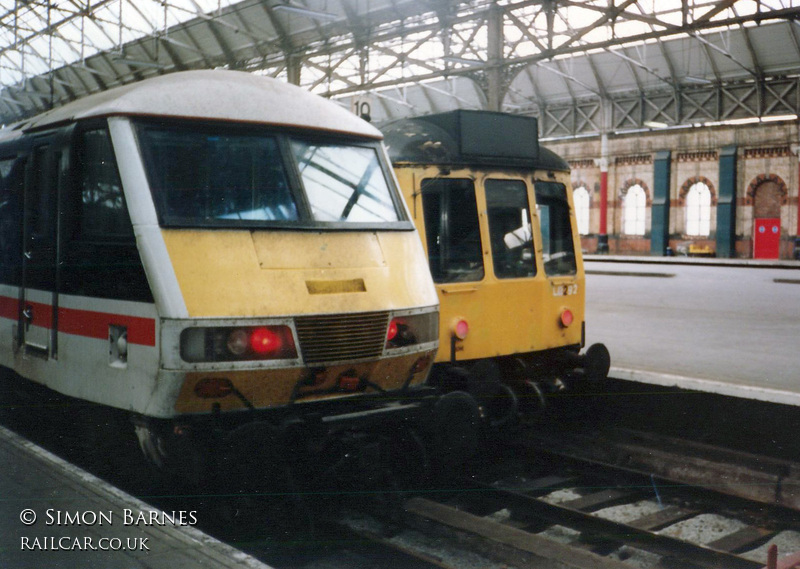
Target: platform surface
point(729, 328)
point(82, 522)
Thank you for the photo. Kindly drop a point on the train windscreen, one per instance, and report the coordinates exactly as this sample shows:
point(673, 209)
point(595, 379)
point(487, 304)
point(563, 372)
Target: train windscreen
point(211, 175)
point(452, 230)
point(510, 228)
point(558, 249)
point(344, 183)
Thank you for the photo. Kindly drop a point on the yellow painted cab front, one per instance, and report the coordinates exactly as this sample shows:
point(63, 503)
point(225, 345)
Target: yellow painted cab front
point(301, 275)
point(503, 290)
point(495, 212)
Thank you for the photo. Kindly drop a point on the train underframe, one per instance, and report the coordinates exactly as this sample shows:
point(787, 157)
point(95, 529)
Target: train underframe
point(345, 444)
point(512, 389)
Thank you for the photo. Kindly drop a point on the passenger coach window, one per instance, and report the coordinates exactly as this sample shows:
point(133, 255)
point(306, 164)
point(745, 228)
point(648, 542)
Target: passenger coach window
point(558, 250)
point(510, 228)
point(204, 174)
point(344, 183)
point(453, 233)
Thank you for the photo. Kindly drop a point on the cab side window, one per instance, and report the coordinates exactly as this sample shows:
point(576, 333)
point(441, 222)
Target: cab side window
point(103, 213)
point(558, 248)
point(100, 257)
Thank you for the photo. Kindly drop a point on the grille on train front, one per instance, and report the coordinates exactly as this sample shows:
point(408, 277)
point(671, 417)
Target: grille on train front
point(338, 337)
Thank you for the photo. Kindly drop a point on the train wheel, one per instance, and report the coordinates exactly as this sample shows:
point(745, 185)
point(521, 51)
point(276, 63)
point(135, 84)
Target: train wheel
point(410, 462)
point(456, 424)
point(109, 445)
point(499, 402)
point(531, 400)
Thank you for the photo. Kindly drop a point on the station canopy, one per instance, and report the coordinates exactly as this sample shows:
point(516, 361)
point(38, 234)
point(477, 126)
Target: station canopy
point(581, 67)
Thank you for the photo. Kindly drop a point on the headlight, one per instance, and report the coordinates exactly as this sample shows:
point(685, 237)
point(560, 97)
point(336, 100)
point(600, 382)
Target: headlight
point(225, 344)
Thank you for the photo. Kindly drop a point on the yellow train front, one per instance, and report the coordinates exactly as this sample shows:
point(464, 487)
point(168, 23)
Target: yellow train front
point(495, 213)
point(225, 261)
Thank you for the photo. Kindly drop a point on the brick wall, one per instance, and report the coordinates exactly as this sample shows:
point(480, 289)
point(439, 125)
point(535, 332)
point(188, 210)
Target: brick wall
point(767, 179)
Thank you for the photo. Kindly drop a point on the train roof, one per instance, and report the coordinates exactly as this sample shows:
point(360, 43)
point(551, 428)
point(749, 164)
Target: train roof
point(210, 95)
point(470, 138)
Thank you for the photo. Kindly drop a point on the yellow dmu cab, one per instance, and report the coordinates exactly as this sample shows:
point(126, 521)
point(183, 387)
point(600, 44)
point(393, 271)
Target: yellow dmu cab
point(221, 262)
point(495, 213)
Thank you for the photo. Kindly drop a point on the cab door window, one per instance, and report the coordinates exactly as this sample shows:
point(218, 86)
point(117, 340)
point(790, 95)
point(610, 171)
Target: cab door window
point(12, 187)
point(452, 230)
point(558, 248)
point(39, 218)
point(510, 228)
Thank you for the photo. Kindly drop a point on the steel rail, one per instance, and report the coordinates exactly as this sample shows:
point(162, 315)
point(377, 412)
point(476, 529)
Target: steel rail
point(535, 508)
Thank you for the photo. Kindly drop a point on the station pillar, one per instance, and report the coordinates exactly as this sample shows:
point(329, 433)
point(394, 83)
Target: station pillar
point(659, 234)
point(602, 234)
point(796, 251)
point(726, 203)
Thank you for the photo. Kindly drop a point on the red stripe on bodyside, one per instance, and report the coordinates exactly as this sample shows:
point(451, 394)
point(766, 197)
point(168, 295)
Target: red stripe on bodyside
point(141, 331)
point(87, 323)
point(9, 307)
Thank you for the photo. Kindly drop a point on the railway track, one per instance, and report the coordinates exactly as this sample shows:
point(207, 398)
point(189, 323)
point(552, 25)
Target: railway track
point(768, 480)
point(610, 499)
point(564, 511)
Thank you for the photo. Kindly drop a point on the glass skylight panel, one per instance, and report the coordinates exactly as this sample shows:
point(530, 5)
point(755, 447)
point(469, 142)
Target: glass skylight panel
point(82, 29)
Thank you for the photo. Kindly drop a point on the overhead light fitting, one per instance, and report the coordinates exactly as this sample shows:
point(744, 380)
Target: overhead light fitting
point(698, 80)
point(309, 13)
point(89, 69)
point(655, 124)
point(462, 60)
point(137, 63)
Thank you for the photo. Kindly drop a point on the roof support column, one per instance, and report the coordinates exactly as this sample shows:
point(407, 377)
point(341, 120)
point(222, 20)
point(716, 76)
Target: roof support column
point(796, 251)
point(659, 232)
point(602, 237)
point(494, 72)
point(294, 63)
point(726, 203)
point(605, 117)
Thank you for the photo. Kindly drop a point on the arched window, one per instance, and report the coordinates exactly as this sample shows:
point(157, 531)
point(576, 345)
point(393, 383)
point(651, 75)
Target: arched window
point(698, 210)
point(580, 198)
point(634, 205)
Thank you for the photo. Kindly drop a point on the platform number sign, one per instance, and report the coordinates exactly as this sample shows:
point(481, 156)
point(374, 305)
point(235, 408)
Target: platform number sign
point(362, 106)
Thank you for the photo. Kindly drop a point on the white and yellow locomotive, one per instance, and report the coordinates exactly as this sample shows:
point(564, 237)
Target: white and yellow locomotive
point(220, 256)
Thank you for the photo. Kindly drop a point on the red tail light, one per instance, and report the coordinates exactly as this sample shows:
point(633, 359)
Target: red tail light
point(392, 332)
point(266, 341)
point(273, 342)
point(461, 329)
point(566, 317)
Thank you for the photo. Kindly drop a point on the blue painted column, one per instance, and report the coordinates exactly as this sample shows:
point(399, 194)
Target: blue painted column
point(659, 210)
point(726, 203)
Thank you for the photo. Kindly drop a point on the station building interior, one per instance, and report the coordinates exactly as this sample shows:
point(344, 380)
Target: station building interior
point(679, 118)
point(680, 123)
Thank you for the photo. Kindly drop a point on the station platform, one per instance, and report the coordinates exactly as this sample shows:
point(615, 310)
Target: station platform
point(55, 515)
point(724, 326)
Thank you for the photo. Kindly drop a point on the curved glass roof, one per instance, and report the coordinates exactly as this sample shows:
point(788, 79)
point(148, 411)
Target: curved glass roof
point(411, 57)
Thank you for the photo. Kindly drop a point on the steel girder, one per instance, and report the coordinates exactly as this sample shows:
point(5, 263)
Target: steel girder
point(581, 66)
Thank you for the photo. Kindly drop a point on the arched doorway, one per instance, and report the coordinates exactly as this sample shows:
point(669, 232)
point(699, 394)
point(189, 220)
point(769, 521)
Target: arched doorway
point(768, 196)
